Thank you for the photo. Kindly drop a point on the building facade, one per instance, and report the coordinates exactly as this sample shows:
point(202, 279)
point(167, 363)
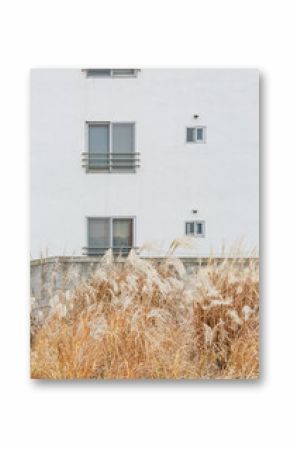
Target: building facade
point(128, 158)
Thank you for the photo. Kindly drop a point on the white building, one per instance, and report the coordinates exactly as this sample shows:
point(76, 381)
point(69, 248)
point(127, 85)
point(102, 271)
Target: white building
point(125, 157)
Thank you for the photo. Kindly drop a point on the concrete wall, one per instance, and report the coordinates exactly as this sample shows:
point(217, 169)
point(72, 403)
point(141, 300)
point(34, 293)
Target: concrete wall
point(219, 179)
point(53, 275)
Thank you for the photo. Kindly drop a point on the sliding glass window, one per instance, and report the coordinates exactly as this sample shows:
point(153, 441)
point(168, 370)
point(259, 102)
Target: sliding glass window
point(111, 148)
point(110, 232)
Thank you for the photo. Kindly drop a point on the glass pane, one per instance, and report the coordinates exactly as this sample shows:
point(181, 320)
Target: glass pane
point(189, 228)
point(190, 134)
point(99, 145)
point(99, 233)
point(124, 72)
point(199, 134)
point(199, 228)
point(99, 138)
point(122, 233)
point(123, 138)
point(98, 73)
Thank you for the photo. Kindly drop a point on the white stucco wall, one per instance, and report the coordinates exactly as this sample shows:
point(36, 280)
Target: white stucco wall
point(220, 178)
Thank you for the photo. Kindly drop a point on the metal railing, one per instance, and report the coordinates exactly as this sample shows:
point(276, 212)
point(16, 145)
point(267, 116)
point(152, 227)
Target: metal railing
point(110, 162)
point(94, 251)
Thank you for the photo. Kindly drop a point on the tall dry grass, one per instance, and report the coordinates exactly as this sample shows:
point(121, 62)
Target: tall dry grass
point(141, 320)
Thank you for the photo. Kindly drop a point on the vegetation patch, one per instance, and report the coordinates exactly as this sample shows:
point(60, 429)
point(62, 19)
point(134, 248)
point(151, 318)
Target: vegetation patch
point(147, 320)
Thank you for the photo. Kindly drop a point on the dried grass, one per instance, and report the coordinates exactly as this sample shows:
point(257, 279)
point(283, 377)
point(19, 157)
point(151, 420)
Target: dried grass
point(143, 320)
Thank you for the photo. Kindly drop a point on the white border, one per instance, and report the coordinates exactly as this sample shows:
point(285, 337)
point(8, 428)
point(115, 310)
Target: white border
point(169, 415)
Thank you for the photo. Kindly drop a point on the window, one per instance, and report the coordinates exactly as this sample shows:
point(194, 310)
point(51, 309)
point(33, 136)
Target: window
point(195, 228)
point(110, 232)
point(111, 147)
point(111, 73)
point(196, 135)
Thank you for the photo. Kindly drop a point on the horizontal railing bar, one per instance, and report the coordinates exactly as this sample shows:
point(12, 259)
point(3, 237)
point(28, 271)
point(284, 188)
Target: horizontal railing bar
point(99, 160)
point(112, 155)
point(110, 159)
point(101, 252)
point(112, 166)
point(110, 162)
point(108, 154)
point(108, 247)
point(102, 158)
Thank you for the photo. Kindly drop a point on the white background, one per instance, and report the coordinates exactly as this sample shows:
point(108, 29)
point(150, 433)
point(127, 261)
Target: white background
point(153, 33)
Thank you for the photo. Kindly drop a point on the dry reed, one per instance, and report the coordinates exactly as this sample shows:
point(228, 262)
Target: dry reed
point(145, 320)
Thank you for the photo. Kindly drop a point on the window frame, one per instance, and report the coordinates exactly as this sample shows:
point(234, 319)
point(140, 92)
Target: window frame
point(119, 170)
point(195, 223)
point(195, 128)
point(111, 218)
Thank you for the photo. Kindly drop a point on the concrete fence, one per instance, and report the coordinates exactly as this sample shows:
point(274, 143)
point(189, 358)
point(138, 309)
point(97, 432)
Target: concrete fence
point(50, 276)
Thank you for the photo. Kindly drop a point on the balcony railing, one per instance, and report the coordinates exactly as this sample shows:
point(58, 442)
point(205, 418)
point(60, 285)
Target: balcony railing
point(110, 162)
point(117, 251)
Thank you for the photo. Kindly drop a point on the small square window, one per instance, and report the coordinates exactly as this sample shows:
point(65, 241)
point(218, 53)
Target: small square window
point(195, 228)
point(196, 134)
